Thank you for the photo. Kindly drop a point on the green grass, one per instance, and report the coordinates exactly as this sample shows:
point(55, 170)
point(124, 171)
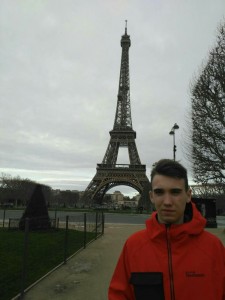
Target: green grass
point(45, 251)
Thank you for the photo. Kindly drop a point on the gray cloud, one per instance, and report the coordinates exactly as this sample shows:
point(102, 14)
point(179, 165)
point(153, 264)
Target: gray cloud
point(59, 76)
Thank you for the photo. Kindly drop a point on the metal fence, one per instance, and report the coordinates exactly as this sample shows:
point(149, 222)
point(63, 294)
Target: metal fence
point(27, 256)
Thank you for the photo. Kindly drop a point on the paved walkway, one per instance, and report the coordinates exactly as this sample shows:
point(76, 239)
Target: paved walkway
point(87, 274)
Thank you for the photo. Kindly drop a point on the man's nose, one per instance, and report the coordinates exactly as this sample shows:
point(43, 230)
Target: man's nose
point(167, 199)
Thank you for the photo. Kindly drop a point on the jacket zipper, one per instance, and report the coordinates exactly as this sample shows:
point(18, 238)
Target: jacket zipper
point(170, 264)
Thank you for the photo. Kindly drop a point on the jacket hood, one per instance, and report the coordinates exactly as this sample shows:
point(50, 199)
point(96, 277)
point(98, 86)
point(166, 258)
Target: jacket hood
point(194, 223)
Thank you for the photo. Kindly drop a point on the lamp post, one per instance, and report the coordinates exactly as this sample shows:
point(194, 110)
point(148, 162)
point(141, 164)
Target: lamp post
point(172, 132)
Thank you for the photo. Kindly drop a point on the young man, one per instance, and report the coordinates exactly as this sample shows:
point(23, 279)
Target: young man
point(174, 258)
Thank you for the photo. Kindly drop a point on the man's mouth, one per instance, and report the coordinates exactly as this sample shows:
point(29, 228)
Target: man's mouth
point(168, 211)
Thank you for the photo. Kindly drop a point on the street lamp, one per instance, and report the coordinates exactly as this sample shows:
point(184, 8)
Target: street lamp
point(172, 132)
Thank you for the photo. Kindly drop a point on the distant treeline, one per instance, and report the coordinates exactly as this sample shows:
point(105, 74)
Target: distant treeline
point(16, 192)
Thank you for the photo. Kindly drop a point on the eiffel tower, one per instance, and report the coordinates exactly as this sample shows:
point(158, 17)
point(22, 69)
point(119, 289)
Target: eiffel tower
point(110, 174)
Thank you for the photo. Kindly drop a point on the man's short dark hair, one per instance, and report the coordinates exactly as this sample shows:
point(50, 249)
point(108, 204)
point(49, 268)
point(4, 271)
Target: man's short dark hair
point(170, 168)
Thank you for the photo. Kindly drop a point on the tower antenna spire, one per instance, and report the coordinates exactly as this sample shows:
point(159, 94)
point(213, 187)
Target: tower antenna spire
point(125, 26)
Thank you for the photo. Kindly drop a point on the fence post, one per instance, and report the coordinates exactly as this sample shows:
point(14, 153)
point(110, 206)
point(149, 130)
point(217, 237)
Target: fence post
point(3, 219)
point(96, 225)
point(25, 254)
point(103, 223)
point(66, 240)
point(85, 230)
point(9, 224)
point(55, 214)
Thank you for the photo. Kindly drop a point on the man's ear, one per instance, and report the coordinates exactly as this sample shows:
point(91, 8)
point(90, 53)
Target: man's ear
point(151, 196)
point(189, 194)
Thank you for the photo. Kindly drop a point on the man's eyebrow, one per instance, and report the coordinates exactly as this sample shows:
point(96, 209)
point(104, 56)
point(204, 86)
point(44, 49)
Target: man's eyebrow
point(158, 189)
point(176, 189)
point(172, 189)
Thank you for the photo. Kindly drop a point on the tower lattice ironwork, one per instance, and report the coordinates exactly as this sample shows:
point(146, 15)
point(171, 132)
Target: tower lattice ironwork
point(110, 174)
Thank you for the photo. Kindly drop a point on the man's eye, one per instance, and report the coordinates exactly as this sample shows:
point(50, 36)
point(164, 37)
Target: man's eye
point(176, 191)
point(158, 192)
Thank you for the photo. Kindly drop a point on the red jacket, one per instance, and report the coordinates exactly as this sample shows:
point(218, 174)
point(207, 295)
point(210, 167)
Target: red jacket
point(177, 262)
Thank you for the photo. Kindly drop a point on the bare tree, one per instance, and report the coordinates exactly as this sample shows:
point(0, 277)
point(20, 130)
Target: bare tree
point(208, 190)
point(18, 190)
point(208, 117)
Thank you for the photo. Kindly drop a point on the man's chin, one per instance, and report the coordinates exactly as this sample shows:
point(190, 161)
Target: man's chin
point(168, 220)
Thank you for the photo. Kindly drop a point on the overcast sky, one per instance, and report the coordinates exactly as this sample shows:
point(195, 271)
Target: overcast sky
point(59, 77)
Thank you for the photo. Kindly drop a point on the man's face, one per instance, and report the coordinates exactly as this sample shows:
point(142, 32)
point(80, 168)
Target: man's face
point(169, 197)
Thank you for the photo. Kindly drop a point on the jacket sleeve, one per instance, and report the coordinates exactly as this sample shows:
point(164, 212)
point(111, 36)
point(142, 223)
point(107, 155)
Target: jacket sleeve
point(119, 288)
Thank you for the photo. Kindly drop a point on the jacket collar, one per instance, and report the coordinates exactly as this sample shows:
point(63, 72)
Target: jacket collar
point(193, 224)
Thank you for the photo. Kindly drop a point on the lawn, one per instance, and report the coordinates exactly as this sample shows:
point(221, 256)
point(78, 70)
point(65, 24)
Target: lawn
point(45, 251)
